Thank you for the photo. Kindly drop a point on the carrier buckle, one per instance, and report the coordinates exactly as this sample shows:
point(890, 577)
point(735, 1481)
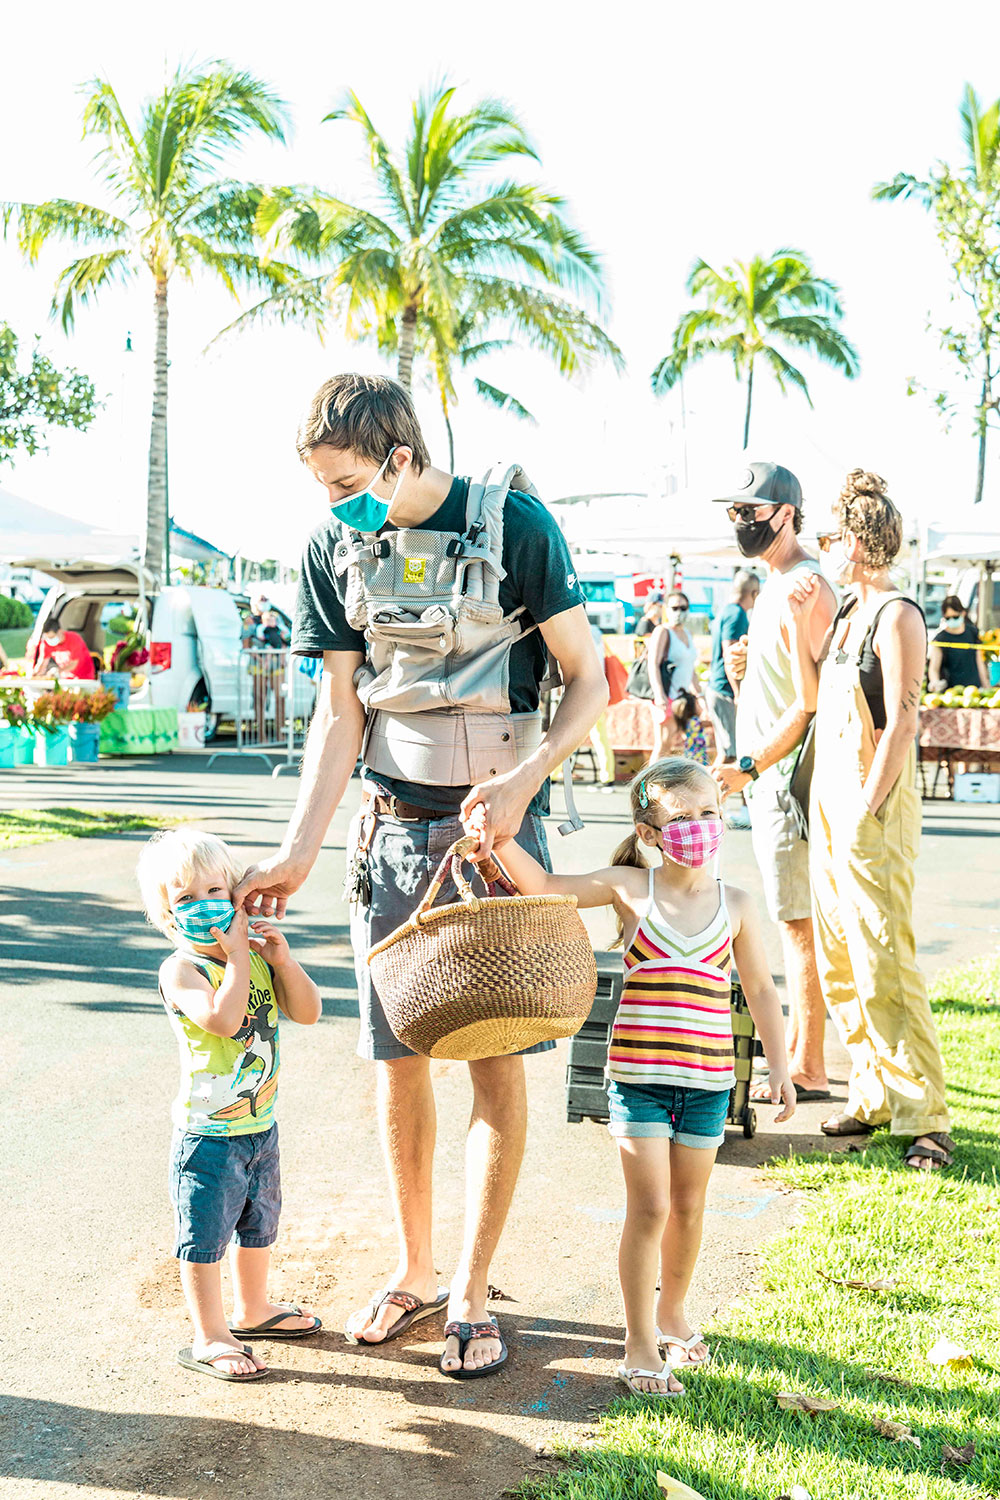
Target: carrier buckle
point(455, 548)
point(380, 548)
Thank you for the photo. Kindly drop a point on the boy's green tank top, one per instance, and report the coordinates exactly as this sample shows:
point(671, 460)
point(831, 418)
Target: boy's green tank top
point(228, 1084)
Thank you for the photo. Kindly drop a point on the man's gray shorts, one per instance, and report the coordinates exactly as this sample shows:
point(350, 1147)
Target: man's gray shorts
point(780, 850)
point(722, 712)
point(402, 860)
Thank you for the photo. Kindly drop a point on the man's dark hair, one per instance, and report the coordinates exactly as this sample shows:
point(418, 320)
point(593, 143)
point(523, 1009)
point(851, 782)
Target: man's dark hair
point(363, 414)
point(954, 603)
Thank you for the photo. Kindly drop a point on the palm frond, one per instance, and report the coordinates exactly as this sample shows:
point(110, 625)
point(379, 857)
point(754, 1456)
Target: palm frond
point(304, 303)
point(503, 401)
point(390, 178)
point(785, 373)
point(84, 278)
point(903, 185)
point(820, 337)
point(60, 219)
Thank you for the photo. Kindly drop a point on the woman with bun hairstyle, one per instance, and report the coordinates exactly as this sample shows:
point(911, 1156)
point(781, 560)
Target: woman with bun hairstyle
point(864, 831)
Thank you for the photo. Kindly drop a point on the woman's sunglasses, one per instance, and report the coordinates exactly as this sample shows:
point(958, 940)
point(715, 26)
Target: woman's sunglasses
point(829, 539)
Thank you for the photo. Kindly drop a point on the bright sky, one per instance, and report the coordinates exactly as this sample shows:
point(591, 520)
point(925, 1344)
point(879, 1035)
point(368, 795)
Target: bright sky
point(671, 136)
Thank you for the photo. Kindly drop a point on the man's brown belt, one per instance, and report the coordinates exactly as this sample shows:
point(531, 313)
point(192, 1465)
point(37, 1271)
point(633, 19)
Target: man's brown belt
point(403, 812)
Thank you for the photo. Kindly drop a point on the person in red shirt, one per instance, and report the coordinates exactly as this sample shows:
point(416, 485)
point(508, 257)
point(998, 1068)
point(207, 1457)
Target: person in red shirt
point(63, 653)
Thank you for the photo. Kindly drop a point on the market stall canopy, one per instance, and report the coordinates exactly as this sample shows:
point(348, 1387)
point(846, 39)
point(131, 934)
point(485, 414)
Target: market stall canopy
point(33, 537)
point(953, 545)
point(649, 527)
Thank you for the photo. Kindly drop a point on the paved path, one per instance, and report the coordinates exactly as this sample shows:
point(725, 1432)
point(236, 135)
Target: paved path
point(91, 1313)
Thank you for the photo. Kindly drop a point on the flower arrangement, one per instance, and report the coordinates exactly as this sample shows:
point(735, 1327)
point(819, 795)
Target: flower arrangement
point(14, 707)
point(54, 709)
point(91, 708)
point(128, 654)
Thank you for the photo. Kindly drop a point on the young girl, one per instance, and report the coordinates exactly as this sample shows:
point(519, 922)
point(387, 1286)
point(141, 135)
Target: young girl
point(670, 1063)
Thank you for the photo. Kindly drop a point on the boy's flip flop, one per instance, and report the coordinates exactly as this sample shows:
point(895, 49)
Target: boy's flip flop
point(467, 1333)
point(629, 1377)
point(204, 1365)
point(413, 1311)
point(269, 1331)
point(671, 1340)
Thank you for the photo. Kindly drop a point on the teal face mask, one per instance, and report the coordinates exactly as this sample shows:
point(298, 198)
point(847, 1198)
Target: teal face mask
point(365, 511)
point(194, 919)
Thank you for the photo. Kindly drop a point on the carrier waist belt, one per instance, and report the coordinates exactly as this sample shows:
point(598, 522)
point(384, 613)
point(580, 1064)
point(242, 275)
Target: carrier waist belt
point(448, 748)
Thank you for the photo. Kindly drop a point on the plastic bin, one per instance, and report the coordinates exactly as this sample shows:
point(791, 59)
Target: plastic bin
point(977, 786)
point(24, 747)
point(6, 747)
point(84, 741)
point(191, 731)
point(119, 683)
point(52, 746)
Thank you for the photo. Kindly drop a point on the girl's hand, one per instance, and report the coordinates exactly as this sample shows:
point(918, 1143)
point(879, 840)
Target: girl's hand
point(802, 598)
point(782, 1092)
point(271, 944)
point(236, 938)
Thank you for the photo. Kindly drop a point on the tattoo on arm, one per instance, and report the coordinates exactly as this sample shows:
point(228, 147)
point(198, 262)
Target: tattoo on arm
point(911, 698)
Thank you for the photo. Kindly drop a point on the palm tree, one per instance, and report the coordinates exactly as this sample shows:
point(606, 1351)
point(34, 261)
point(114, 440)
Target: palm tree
point(175, 215)
point(444, 250)
point(966, 203)
point(749, 308)
point(459, 343)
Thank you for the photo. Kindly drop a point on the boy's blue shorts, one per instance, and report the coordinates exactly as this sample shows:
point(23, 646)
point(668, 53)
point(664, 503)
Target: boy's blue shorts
point(691, 1117)
point(221, 1187)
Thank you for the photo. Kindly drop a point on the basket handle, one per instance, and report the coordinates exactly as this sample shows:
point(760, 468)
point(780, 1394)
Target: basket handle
point(491, 870)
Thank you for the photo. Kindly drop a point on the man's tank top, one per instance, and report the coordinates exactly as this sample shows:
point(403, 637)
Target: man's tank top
point(768, 688)
point(674, 1024)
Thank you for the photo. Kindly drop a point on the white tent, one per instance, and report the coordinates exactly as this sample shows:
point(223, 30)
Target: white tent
point(960, 542)
point(30, 536)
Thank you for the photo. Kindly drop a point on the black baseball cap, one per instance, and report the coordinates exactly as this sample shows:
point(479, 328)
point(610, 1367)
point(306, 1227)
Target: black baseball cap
point(765, 484)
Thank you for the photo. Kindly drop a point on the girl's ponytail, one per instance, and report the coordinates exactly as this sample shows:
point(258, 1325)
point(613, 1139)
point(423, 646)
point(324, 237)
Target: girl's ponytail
point(627, 853)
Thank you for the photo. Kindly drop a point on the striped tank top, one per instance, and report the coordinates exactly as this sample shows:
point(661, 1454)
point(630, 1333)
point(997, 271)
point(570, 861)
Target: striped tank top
point(673, 1025)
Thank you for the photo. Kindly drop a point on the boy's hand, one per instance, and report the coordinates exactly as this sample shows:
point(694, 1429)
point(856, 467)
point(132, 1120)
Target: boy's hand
point(236, 938)
point(271, 944)
point(782, 1092)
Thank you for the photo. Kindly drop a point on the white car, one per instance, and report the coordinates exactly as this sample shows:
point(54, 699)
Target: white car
point(194, 636)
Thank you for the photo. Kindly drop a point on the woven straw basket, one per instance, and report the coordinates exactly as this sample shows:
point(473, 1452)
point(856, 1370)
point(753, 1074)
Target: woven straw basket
point(483, 977)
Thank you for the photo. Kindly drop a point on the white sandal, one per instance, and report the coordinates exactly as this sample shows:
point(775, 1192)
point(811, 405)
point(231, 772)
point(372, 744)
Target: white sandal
point(628, 1377)
point(687, 1363)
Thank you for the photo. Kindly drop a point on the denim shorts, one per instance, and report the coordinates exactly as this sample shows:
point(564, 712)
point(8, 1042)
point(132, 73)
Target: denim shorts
point(402, 860)
point(691, 1117)
point(221, 1187)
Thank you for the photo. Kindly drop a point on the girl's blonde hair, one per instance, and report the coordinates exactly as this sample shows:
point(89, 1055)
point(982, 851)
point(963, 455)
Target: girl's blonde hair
point(665, 775)
point(180, 854)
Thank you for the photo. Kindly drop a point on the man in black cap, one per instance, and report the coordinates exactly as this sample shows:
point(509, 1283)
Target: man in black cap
point(771, 719)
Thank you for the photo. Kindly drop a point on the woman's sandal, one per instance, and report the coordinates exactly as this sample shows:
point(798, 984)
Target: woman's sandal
point(938, 1159)
point(846, 1125)
point(413, 1311)
point(467, 1333)
point(204, 1366)
point(629, 1377)
point(671, 1341)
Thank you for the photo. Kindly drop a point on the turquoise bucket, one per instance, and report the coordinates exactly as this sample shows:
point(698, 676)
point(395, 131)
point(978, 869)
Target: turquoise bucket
point(24, 747)
point(52, 746)
point(119, 683)
point(84, 740)
point(6, 747)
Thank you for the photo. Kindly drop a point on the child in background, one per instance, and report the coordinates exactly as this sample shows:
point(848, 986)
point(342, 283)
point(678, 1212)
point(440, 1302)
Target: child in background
point(670, 1062)
point(223, 988)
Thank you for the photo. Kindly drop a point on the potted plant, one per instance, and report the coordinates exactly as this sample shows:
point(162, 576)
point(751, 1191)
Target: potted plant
point(89, 711)
point(17, 740)
point(51, 715)
point(125, 657)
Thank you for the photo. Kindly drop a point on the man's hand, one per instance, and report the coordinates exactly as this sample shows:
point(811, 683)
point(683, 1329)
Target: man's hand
point(236, 938)
point(265, 888)
point(804, 596)
point(495, 809)
point(782, 1092)
point(730, 778)
point(270, 943)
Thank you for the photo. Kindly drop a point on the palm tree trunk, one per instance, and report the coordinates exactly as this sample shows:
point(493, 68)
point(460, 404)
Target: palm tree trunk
point(451, 442)
point(407, 341)
point(746, 420)
point(156, 488)
point(984, 413)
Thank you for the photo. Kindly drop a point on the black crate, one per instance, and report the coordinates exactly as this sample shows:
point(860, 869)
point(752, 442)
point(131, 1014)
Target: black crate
point(586, 1090)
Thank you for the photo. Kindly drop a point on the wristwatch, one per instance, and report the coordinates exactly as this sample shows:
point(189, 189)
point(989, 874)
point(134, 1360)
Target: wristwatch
point(748, 768)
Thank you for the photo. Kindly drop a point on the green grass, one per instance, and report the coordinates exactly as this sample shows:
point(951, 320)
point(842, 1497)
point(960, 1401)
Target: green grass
point(865, 1217)
point(22, 825)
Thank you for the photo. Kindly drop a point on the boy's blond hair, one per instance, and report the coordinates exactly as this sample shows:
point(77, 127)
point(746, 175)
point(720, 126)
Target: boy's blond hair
point(180, 854)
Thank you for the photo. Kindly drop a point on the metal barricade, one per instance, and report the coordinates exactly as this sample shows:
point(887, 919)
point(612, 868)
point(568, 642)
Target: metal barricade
point(275, 698)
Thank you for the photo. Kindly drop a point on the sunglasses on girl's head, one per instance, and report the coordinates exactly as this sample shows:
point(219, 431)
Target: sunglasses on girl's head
point(747, 513)
point(829, 539)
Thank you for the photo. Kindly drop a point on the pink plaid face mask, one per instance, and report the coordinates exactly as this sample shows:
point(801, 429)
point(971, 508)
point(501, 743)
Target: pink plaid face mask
point(692, 844)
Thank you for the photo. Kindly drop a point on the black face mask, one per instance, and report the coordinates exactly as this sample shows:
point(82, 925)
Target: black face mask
point(754, 537)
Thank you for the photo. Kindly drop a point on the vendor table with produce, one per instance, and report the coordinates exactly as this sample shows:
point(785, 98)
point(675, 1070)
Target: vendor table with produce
point(962, 724)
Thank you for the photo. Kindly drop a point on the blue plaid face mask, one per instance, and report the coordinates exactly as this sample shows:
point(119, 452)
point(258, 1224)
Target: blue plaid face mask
point(194, 918)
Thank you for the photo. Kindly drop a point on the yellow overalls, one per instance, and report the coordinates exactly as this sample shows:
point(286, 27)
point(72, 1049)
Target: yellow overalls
point(861, 872)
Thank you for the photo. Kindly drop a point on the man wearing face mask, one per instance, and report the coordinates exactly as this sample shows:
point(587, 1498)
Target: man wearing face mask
point(771, 719)
point(434, 603)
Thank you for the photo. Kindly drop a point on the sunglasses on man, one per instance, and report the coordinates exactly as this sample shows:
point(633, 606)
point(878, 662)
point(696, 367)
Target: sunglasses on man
point(748, 513)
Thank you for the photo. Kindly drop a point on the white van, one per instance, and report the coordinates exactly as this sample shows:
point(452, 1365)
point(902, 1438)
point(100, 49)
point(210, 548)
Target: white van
point(194, 636)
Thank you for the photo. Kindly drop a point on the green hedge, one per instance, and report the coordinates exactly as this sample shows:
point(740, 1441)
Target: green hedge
point(14, 614)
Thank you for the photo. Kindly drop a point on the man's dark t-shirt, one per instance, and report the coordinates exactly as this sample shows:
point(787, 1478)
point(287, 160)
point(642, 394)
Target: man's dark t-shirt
point(731, 624)
point(541, 576)
point(959, 668)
